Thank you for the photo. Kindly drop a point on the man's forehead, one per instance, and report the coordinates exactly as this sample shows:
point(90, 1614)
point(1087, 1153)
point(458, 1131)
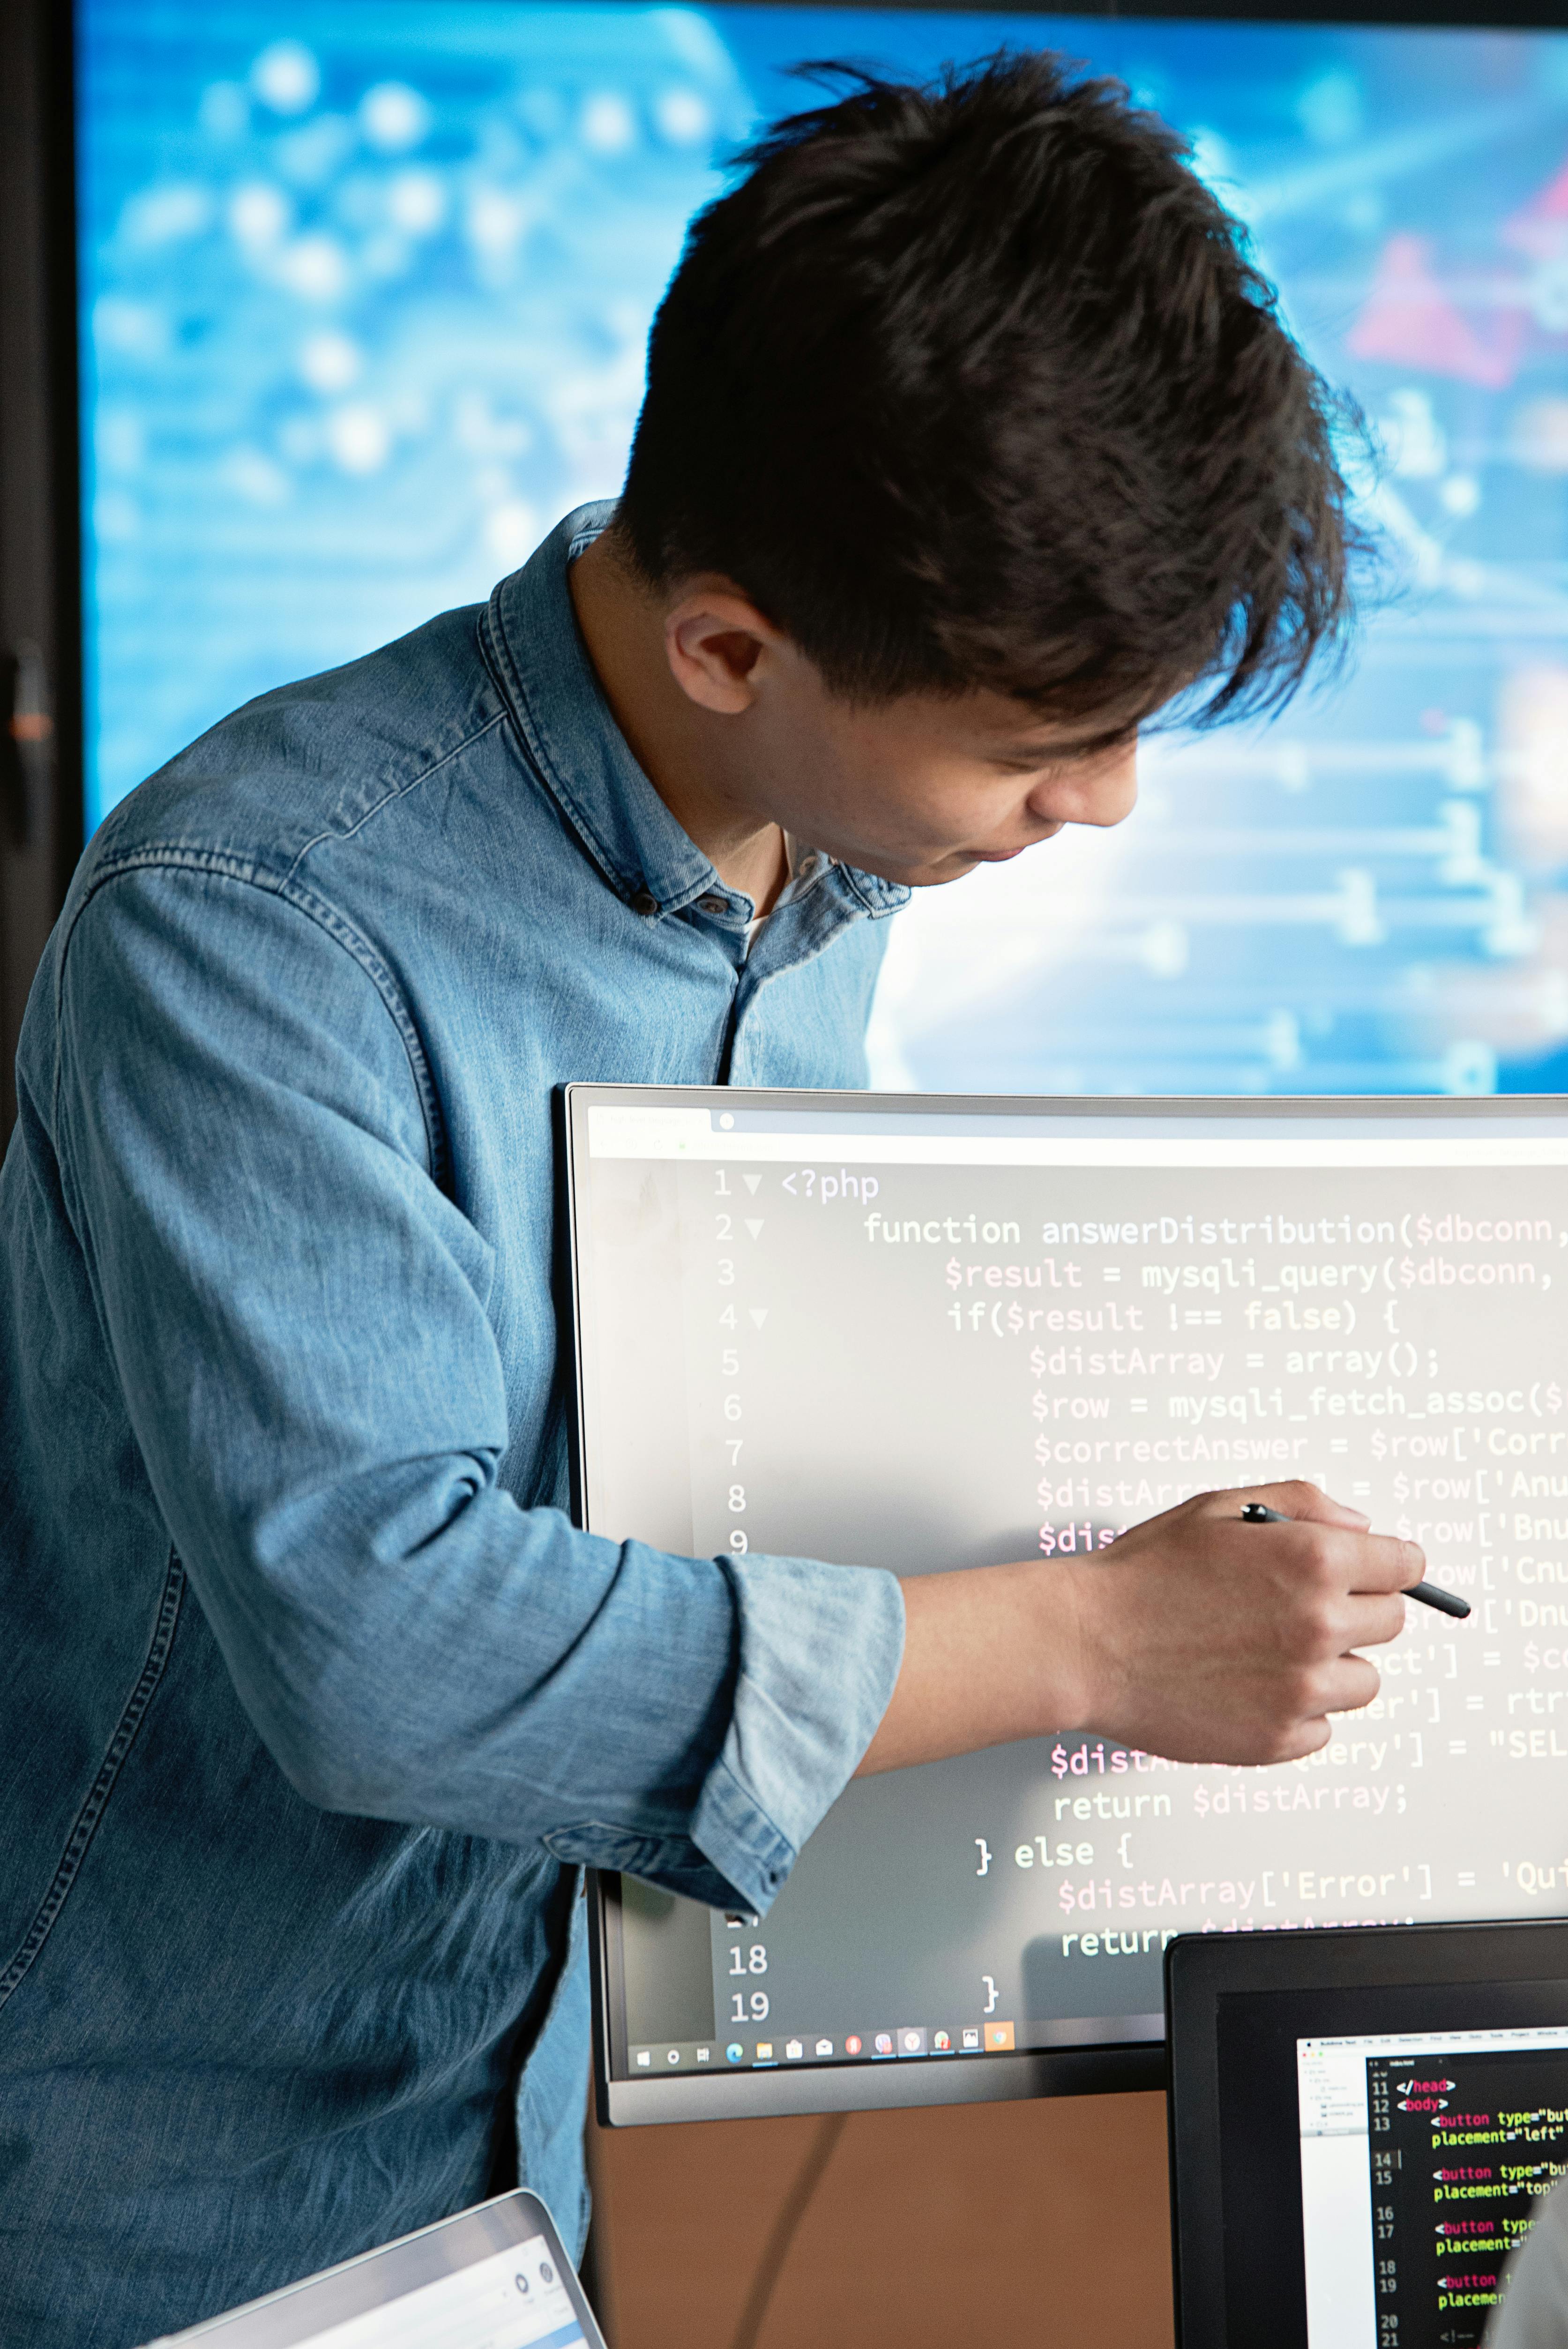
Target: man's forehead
point(1021, 731)
point(987, 725)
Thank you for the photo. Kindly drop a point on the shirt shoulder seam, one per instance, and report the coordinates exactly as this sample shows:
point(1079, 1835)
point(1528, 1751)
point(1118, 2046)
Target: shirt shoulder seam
point(396, 791)
point(223, 864)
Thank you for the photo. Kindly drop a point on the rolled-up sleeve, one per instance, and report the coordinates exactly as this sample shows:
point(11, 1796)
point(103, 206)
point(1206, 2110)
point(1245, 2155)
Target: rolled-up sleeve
point(296, 1309)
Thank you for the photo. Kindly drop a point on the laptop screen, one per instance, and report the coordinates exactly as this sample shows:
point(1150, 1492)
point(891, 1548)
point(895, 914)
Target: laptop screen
point(495, 2277)
point(927, 1333)
point(1364, 2125)
point(517, 2300)
point(1424, 2156)
point(1379, 2146)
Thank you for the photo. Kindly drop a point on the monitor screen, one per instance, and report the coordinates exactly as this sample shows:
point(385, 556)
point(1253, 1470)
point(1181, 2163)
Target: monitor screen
point(928, 1334)
point(366, 286)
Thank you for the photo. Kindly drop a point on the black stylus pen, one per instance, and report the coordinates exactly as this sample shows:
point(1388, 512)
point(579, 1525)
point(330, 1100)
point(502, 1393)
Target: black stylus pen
point(1429, 1593)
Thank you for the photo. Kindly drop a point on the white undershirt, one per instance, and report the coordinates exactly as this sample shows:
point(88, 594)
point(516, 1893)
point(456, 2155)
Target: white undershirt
point(801, 869)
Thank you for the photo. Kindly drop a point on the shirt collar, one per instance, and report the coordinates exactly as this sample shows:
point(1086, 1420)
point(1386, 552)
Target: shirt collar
point(535, 649)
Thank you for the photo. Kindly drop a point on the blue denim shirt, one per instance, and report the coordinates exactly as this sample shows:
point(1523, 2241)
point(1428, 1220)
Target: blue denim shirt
point(316, 1703)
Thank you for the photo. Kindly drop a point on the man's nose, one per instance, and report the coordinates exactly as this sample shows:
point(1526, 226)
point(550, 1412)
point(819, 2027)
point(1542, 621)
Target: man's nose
point(1104, 795)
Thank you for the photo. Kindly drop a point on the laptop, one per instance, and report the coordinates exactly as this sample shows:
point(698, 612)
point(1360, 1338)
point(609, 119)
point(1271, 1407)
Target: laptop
point(1363, 2123)
point(495, 2277)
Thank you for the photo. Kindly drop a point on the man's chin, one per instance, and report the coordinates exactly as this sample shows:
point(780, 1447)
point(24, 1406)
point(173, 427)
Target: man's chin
point(933, 874)
point(956, 867)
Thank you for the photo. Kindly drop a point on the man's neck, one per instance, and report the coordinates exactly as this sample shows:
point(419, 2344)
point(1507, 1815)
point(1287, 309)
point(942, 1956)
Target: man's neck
point(676, 744)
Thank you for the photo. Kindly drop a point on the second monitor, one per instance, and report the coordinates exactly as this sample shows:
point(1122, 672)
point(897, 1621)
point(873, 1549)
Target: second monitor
point(922, 1333)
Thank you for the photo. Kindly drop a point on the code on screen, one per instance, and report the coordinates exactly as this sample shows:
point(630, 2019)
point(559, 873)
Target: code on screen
point(922, 1352)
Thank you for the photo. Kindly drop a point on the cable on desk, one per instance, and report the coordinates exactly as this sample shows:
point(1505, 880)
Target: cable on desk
point(785, 2227)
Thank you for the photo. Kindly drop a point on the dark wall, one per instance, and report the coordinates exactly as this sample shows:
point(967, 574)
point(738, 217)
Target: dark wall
point(40, 735)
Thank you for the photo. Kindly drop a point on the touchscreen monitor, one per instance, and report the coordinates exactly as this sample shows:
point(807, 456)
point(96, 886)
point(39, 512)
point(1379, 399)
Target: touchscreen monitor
point(927, 1332)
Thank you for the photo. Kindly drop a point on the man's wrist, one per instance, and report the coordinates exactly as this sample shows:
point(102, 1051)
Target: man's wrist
point(992, 1654)
point(1067, 1611)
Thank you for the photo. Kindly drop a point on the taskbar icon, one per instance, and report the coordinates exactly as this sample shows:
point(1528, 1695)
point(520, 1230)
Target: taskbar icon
point(909, 2042)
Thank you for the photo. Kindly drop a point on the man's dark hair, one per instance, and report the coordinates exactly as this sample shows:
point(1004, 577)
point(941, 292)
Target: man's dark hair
point(974, 385)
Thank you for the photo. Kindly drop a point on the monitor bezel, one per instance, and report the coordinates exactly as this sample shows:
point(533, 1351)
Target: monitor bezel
point(618, 2103)
point(1200, 1969)
point(1104, 2068)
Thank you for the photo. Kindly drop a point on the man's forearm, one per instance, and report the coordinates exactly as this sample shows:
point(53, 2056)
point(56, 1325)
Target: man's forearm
point(1195, 1635)
point(990, 1654)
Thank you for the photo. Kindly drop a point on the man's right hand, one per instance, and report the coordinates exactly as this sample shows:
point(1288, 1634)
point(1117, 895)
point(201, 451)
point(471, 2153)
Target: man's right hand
point(1195, 1635)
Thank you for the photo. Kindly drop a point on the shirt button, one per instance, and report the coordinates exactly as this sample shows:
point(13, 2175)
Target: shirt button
point(645, 902)
point(713, 904)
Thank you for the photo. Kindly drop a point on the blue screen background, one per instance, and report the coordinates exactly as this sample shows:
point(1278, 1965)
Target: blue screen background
point(366, 287)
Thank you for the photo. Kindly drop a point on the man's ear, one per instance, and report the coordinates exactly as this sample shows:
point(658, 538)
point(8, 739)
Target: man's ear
point(719, 646)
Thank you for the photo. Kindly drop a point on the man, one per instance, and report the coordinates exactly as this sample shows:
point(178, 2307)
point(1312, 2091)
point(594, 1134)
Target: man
point(971, 439)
